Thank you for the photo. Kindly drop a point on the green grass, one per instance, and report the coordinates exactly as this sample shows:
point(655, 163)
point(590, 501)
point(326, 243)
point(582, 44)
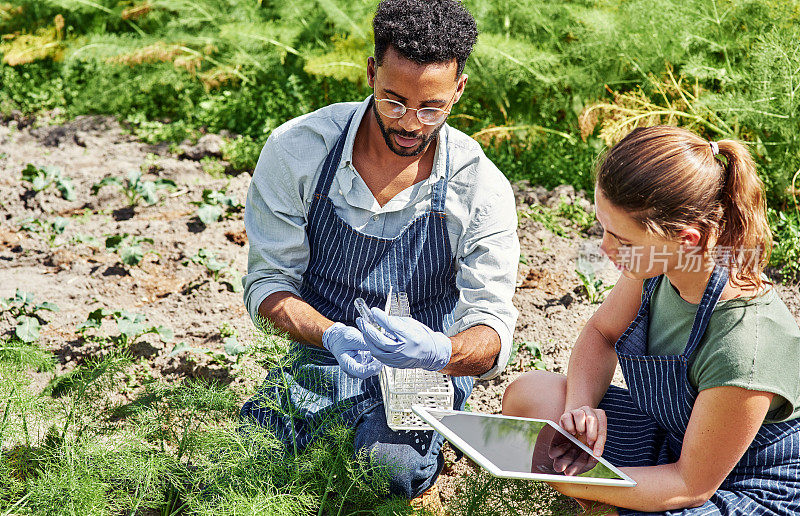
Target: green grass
point(786, 252)
point(174, 449)
point(180, 448)
point(174, 67)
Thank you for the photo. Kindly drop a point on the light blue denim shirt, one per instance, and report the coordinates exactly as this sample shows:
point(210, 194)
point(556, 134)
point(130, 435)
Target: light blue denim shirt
point(481, 216)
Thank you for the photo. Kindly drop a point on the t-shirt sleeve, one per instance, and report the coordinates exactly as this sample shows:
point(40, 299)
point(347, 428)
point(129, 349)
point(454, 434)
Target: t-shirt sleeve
point(756, 347)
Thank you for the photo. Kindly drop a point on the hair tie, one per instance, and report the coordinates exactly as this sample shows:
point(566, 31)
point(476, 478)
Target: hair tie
point(714, 148)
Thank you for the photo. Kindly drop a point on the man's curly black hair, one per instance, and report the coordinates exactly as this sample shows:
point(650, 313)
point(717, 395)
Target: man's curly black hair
point(425, 31)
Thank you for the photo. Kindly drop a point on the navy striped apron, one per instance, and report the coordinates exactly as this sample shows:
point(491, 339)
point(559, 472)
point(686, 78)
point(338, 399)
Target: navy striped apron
point(309, 393)
point(646, 424)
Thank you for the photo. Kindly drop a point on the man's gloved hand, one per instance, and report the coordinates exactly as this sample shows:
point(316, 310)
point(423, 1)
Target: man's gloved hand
point(407, 343)
point(348, 346)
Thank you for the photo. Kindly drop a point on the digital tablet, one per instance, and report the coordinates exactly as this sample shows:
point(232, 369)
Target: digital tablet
point(516, 447)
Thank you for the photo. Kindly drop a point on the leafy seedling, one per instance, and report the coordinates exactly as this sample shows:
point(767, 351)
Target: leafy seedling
point(23, 308)
point(536, 356)
point(131, 326)
point(216, 205)
point(129, 248)
point(233, 348)
point(50, 229)
point(41, 178)
point(90, 240)
point(593, 286)
point(219, 271)
point(183, 347)
point(230, 341)
point(135, 188)
point(535, 351)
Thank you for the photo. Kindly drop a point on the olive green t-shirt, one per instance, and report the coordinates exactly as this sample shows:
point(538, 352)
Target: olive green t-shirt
point(752, 343)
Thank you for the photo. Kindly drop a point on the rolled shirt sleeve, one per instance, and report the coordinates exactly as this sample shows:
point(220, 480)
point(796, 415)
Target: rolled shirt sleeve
point(487, 262)
point(275, 221)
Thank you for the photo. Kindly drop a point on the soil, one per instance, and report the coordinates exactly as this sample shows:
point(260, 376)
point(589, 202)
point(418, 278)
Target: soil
point(177, 293)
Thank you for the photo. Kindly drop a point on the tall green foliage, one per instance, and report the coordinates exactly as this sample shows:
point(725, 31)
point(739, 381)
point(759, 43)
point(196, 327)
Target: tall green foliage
point(249, 65)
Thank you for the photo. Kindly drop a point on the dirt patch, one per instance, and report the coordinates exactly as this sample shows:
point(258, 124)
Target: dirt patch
point(79, 275)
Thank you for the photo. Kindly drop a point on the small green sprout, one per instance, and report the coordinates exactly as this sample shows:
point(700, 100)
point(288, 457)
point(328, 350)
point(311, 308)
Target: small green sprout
point(50, 229)
point(219, 271)
point(536, 356)
point(135, 188)
point(590, 260)
point(535, 351)
point(23, 308)
point(90, 240)
point(593, 286)
point(230, 341)
point(131, 326)
point(216, 205)
point(129, 248)
point(42, 177)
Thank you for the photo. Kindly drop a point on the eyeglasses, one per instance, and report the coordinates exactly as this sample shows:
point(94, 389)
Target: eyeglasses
point(427, 116)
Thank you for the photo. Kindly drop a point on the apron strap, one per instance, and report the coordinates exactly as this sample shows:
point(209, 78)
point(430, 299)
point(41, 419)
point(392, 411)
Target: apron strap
point(331, 163)
point(716, 284)
point(650, 285)
point(440, 188)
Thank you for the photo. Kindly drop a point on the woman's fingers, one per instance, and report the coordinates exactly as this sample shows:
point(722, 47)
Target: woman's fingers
point(602, 431)
point(588, 422)
point(567, 423)
point(579, 416)
point(574, 421)
point(591, 425)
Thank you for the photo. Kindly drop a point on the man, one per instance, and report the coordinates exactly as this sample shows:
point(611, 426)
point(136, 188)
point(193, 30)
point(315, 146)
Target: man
point(357, 198)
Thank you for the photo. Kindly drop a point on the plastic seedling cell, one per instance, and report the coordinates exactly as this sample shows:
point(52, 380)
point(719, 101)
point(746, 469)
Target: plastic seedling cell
point(402, 388)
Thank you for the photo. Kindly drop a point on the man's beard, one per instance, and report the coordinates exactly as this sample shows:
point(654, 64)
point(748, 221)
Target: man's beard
point(401, 151)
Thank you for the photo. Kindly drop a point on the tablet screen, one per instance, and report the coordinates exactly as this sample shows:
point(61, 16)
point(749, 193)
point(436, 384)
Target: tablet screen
point(524, 446)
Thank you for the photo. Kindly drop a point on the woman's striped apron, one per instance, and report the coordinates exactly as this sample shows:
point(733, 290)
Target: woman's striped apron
point(646, 424)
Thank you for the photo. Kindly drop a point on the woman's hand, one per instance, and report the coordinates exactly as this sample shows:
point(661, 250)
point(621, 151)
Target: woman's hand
point(555, 454)
point(588, 425)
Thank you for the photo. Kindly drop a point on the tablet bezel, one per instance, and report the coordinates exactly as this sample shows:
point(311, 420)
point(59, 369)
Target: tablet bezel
point(475, 455)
